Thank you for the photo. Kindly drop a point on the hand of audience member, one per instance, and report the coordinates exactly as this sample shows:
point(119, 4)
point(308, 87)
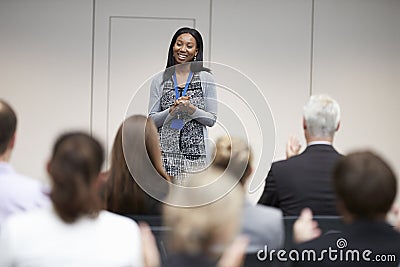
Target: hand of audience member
point(397, 225)
point(305, 228)
point(394, 216)
point(151, 256)
point(234, 255)
point(292, 147)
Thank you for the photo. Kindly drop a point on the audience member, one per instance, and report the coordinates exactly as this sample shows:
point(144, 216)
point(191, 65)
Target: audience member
point(17, 192)
point(305, 180)
point(394, 216)
point(151, 255)
point(366, 188)
point(200, 234)
point(263, 225)
point(75, 231)
point(123, 194)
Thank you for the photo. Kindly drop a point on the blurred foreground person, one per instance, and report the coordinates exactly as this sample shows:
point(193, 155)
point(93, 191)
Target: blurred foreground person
point(365, 187)
point(17, 192)
point(137, 138)
point(263, 225)
point(201, 234)
point(74, 231)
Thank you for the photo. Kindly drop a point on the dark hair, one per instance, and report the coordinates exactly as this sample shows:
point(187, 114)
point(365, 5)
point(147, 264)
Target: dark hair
point(366, 184)
point(123, 194)
point(74, 168)
point(195, 66)
point(8, 125)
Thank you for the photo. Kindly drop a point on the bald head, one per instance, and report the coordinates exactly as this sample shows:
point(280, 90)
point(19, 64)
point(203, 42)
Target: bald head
point(8, 125)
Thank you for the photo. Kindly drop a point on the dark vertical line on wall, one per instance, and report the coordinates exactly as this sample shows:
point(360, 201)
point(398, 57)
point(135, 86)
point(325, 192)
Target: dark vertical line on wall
point(210, 31)
point(108, 86)
point(312, 47)
point(92, 67)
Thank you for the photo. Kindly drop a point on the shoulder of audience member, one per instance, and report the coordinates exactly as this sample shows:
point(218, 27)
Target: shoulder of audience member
point(271, 212)
point(284, 162)
point(29, 183)
point(117, 220)
point(19, 220)
point(321, 242)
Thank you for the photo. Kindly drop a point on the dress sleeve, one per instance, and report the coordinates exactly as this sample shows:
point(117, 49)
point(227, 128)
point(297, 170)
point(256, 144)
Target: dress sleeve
point(208, 116)
point(154, 108)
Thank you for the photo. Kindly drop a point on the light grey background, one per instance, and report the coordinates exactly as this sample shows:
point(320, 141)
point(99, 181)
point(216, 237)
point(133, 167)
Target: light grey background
point(76, 64)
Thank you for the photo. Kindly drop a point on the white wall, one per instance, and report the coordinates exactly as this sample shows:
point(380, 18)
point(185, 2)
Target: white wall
point(45, 73)
point(289, 48)
point(270, 42)
point(357, 61)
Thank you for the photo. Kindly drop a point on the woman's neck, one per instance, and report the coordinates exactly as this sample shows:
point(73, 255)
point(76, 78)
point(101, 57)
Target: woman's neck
point(182, 69)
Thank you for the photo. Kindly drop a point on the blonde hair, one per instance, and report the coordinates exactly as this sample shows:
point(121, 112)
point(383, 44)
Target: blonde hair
point(235, 155)
point(197, 230)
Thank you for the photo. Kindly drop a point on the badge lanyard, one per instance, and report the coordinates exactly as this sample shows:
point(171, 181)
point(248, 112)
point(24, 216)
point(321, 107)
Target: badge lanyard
point(179, 123)
point(186, 86)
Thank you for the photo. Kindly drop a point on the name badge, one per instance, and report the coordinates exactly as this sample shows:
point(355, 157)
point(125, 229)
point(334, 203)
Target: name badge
point(177, 124)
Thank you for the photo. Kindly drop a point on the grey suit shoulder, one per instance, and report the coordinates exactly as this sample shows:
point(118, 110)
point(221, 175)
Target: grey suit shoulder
point(264, 226)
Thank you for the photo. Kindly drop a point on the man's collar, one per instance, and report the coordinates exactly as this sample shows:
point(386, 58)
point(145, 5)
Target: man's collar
point(319, 143)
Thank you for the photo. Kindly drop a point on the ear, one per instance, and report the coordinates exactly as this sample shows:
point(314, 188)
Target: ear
point(48, 165)
point(338, 126)
point(103, 176)
point(249, 171)
point(246, 176)
point(11, 144)
point(101, 180)
point(197, 51)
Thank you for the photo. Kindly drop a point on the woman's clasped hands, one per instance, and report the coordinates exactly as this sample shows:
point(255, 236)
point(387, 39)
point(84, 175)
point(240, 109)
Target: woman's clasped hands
point(182, 105)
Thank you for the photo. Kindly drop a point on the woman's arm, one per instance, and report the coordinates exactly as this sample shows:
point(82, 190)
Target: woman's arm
point(208, 116)
point(154, 109)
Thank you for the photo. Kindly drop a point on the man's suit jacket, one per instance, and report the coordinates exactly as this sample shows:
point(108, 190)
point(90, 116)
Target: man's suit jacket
point(263, 225)
point(303, 181)
point(377, 236)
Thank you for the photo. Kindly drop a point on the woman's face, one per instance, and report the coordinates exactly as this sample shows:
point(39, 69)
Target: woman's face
point(185, 48)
